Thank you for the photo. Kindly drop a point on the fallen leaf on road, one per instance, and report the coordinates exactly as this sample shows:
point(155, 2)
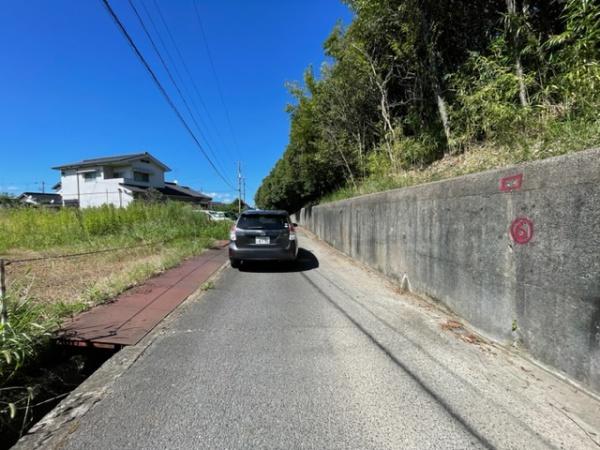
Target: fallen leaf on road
point(451, 325)
point(470, 338)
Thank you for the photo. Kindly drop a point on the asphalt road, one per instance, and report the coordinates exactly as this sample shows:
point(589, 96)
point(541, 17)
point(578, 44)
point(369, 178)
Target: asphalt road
point(325, 354)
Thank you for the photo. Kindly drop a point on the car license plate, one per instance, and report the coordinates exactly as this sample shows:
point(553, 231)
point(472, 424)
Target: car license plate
point(263, 240)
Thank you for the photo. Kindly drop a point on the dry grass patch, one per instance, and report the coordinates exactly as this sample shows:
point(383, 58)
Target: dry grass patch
point(82, 282)
point(556, 140)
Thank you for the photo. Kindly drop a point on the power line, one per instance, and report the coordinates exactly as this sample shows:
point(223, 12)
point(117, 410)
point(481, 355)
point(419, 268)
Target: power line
point(206, 128)
point(170, 75)
point(214, 71)
point(239, 173)
point(90, 252)
point(188, 72)
point(161, 88)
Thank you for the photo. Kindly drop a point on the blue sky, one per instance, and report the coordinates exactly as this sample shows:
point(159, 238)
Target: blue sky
point(71, 87)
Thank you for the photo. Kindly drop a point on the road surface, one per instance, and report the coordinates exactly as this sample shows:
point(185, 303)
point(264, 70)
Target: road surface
point(327, 354)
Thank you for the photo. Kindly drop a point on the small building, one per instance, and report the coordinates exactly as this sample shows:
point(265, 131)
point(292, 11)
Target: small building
point(40, 199)
point(118, 180)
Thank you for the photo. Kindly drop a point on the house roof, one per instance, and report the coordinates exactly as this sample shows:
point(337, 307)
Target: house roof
point(185, 190)
point(40, 197)
point(112, 160)
point(170, 190)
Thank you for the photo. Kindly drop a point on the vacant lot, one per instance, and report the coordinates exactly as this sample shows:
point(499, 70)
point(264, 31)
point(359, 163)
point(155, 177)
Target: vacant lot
point(116, 248)
point(132, 244)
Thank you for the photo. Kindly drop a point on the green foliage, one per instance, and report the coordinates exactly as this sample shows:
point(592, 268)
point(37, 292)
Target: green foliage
point(93, 228)
point(487, 96)
point(574, 52)
point(31, 321)
point(23, 339)
point(230, 209)
point(7, 200)
point(29, 324)
point(105, 226)
point(208, 285)
point(410, 81)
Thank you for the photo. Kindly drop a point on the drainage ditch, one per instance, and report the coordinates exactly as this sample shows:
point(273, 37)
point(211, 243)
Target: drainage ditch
point(40, 387)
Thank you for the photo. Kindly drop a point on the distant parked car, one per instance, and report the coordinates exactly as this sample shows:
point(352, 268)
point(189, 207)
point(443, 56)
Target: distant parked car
point(263, 235)
point(214, 215)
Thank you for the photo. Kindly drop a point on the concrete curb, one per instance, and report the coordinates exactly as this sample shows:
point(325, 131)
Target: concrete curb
point(55, 427)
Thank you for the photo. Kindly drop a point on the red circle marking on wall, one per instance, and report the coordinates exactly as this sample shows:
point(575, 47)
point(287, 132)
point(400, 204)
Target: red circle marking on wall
point(521, 230)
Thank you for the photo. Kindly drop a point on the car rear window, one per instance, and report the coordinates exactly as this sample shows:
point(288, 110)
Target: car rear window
point(263, 222)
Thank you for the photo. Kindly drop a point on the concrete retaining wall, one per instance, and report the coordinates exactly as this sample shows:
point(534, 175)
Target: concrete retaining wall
point(512, 248)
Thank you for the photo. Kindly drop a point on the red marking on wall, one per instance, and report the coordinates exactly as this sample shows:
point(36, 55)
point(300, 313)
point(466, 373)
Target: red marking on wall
point(521, 230)
point(512, 183)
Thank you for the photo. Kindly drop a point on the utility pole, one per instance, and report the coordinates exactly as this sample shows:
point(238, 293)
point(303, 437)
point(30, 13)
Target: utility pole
point(239, 187)
point(244, 190)
point(79, 193)
point(3, 299)
point(43, 187)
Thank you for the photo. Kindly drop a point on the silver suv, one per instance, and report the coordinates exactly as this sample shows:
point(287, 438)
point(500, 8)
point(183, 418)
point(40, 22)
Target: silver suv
point(262, 235)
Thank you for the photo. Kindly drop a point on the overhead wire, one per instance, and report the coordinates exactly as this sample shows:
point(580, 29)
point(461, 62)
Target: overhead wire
point(9, 261)
point(191, 78)
point(160, 87)
point(170, 75)
point(206, 128)
point(217, 82)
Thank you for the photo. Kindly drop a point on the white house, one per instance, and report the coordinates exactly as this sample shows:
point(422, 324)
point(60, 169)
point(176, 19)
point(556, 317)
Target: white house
point(40, 199)
point(117, 180)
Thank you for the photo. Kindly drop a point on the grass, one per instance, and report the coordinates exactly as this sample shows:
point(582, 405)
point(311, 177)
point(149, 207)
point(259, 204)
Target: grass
point(42, 293)
point(208, 285)
point(144, 238)
point(43, 229)
point(554, 139)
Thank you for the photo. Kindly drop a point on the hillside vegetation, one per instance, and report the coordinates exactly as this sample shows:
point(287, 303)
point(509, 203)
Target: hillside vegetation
point(420, 90)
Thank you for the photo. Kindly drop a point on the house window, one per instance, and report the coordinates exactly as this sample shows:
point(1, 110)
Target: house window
point(141, 176)
point(90, 176)
point(110, 173)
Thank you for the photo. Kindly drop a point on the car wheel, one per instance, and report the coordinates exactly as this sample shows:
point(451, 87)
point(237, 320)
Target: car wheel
point(235, 263)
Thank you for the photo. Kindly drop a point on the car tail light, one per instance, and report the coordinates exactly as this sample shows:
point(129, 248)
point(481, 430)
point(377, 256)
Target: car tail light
point(292, 232)
point(232, 236)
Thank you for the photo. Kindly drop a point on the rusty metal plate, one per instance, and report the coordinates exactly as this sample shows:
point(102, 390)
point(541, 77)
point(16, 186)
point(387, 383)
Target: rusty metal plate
point(135, 312)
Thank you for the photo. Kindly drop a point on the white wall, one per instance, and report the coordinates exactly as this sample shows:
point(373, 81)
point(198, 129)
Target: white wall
point(100, 191)
point(157, 175)
point(94, 192)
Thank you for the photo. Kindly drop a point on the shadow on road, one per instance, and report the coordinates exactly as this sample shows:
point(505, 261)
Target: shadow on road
point(305, 261)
